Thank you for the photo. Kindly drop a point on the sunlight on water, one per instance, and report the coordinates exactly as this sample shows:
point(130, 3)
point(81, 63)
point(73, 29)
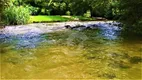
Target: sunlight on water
point(70, 54)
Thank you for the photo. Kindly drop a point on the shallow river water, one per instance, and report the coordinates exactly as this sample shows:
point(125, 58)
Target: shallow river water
point(100, 53)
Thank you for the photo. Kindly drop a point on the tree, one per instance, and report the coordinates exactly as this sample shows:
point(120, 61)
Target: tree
point(97, 7)
point(3, 3)
point(131, 15)
point(43, 5)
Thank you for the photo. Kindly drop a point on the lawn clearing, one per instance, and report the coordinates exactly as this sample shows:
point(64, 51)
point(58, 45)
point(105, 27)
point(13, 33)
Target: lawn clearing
point(41, 18)
point(44, 18)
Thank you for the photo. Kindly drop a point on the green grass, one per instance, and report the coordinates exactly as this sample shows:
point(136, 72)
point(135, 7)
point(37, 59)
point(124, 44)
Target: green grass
point(82, 18)
point(43, 18)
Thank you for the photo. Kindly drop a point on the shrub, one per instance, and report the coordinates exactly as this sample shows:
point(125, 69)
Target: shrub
point(87, 14)
point(68, 13)
point(134, 28)
point(16, 15)
point(33, 10)
point(131, 16)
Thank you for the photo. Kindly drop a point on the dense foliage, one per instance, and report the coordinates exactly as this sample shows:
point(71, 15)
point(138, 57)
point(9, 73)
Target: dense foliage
point(16, 15)
point(56, 7)
point(131, 15)
point(3, 3)
point(126, 11)
point(104, 8)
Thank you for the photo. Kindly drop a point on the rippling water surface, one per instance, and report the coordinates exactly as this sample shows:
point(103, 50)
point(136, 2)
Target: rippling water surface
point(70, 54)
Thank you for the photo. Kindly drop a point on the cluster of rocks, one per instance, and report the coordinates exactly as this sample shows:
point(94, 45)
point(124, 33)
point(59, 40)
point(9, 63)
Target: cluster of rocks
point(93, 26)
point(82, 27)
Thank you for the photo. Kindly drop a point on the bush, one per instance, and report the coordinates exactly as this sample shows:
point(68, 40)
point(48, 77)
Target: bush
point(33, 10)
point(68, 13)
point(135, 28)
point(3, 3)
point(16, 15)
point(131, 16)
point(87, 14)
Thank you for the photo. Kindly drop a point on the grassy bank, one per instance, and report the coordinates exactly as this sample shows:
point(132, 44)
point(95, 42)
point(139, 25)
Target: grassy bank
point(42, 18)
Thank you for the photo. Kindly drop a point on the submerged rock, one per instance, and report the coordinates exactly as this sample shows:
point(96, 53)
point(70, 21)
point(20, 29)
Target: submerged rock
point(82, 27)
point(76, 38)
point(3, 50)
point(119, 64)
point(117, 60)
point(76, 27)
point(14, 60)
point(108, 75)
point(135, 60)
point(118, 55)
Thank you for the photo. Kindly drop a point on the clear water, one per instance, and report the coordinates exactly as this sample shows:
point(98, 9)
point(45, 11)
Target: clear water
point(88, 54)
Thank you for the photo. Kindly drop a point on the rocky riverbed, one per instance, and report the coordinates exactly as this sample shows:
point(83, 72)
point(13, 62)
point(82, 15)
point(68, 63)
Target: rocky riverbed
point(28, 36)
point(76, 50)
point(52, 27)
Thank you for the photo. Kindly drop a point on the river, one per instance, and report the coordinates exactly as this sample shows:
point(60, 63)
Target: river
point(54, 52)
